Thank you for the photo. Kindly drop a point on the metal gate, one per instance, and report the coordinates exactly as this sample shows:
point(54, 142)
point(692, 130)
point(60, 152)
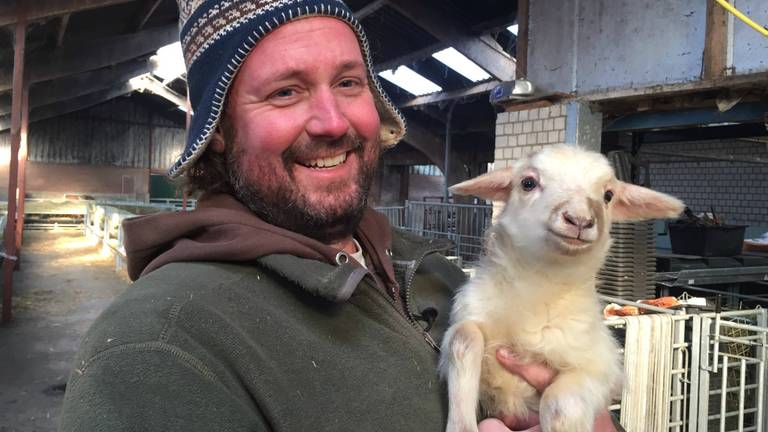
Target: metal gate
point(694, 372)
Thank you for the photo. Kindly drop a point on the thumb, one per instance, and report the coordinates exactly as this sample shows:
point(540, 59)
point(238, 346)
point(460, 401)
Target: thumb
point(536, 374)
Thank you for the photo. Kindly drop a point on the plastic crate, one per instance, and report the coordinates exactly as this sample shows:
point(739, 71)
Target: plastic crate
point(691, 239)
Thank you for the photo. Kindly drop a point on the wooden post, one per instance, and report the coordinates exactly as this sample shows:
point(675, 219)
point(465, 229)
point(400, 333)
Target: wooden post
point(522, 39)
point(149, 163)
point(715, 42)
point(22, 170)
point(9, 259)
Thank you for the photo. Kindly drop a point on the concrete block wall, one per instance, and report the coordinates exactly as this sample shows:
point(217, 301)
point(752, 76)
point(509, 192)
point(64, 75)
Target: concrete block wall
point(522, 132)
point(737, 191)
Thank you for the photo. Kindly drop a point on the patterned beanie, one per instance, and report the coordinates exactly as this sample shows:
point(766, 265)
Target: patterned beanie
point(216, 37)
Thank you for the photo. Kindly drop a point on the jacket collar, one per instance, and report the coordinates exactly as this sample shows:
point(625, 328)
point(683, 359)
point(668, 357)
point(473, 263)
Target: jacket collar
point(337, 283)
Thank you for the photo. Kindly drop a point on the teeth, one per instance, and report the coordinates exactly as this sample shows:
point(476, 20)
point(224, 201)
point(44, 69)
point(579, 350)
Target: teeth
point(327, 162)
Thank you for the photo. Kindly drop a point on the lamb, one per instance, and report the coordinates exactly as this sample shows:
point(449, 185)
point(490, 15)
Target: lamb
point(534, 291)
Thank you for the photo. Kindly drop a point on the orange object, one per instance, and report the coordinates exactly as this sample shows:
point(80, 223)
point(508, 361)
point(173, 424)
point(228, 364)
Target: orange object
point(663, 302)
point(615, 310)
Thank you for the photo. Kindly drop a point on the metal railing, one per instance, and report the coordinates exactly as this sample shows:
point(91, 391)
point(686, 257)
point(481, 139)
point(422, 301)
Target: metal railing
point(464, 224)
point(694, 372)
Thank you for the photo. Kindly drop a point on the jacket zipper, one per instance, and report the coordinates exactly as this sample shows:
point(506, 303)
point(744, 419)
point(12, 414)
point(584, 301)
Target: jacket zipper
point(402, 310)
point(407, 300)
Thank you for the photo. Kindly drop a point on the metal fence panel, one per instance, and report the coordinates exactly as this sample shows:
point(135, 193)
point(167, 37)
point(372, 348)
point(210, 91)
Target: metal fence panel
point(463, 224)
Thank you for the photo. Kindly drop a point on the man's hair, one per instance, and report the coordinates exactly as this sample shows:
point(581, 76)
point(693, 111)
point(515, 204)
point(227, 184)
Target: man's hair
point(209, 174)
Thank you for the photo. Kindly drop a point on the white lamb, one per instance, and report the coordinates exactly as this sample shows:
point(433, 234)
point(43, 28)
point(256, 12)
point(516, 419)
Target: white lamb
point(535, 290)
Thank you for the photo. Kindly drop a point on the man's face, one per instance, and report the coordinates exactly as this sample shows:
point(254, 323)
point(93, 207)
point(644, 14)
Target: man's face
point(302, 131)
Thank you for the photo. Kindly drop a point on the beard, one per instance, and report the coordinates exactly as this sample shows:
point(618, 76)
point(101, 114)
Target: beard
point(272, 193)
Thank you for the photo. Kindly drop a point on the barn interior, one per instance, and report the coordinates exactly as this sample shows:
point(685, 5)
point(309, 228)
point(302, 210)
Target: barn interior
point(93, 111)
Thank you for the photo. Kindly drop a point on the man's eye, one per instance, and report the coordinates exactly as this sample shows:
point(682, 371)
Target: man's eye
point(349, 83)
point(284, 93)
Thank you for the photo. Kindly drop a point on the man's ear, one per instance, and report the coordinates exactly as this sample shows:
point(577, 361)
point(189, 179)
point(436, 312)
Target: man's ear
point(494, 186)
point(635, 203)
point(217, 143)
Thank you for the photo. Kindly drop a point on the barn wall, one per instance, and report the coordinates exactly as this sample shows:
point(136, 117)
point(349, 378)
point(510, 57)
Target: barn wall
point(104, 150)
point(592, 45)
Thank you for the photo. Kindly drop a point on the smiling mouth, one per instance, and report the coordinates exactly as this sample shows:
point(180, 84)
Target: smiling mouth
point(573, 241)
point(325, 163)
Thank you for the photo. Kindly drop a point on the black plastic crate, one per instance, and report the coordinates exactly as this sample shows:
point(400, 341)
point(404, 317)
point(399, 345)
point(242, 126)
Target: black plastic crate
point(701, 240)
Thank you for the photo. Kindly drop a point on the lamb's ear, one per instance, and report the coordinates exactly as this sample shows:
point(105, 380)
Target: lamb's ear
point(635, 203)
point(494, 186)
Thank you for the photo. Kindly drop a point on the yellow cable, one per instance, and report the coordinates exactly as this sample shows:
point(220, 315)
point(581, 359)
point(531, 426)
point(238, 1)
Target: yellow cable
point(741, 16)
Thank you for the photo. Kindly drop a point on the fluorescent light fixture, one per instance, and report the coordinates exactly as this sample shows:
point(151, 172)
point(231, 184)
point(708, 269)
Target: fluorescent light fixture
point(513, 29)
point(408, 80)
point(169, 62)
point(458, 62)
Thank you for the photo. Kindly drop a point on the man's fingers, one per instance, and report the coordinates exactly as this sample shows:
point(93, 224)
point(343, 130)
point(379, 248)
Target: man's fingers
point(496, 425)
point(537, 375)
point(492, 425)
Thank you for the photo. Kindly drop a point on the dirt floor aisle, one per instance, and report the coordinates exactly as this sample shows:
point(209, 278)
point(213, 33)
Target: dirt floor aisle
point(63, 285)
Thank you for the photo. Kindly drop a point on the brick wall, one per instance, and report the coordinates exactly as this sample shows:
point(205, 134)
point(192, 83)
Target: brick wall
point(737, 191)
point(521, 132)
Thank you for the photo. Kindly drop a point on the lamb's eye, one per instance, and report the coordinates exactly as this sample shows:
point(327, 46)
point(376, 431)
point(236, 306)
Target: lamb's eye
point(608, 196)
point(529, 184)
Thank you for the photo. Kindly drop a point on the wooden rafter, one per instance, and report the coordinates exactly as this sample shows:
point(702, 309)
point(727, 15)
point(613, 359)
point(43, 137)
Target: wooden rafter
point(147, 9)
point(62, 29)
point(483, 51)
point(72, 86)
point(48, 8)
point(72, 105)
point(370, 8)
point(74, 59)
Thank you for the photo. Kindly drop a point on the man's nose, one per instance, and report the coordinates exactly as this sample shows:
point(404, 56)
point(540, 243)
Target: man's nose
point(327, 120)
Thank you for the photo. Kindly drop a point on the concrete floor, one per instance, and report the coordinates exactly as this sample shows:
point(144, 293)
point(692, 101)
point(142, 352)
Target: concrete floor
point(62, 286)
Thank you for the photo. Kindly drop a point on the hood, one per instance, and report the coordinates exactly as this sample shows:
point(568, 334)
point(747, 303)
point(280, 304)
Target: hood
point(222, 229)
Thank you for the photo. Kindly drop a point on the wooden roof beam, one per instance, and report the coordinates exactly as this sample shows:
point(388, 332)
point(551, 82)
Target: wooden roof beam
point(62, 29)
point(147, 9)
point(483, 50)
point(77, 85)
point(74, 59)
point(369, 9)
point(72, 105)
point(39, 9)
point(448, 95)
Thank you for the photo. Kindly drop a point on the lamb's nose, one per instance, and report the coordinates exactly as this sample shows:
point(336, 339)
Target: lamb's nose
point(580, 222)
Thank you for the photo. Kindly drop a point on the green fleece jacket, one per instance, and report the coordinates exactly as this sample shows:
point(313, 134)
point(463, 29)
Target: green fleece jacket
point(276, 343)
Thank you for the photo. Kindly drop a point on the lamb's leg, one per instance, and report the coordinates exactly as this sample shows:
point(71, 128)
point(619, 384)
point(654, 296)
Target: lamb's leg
point(461, 365)
point(571, 402)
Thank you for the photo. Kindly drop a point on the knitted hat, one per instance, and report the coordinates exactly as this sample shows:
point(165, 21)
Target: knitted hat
point(217, 35)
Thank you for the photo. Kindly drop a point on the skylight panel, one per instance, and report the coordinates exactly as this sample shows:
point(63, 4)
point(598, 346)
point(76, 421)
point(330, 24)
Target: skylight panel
point(408, 80)
point(461, 64)
point(169, 62)
point(513, 29)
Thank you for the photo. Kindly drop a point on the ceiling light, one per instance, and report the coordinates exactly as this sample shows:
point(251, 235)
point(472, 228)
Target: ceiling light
point(513, 29)
point(461, 64)
point(410, 81)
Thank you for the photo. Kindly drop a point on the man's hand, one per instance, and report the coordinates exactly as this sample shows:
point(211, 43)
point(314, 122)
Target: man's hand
point(539, 376)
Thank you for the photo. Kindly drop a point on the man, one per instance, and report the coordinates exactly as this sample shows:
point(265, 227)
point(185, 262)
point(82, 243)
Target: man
point(282, 303)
